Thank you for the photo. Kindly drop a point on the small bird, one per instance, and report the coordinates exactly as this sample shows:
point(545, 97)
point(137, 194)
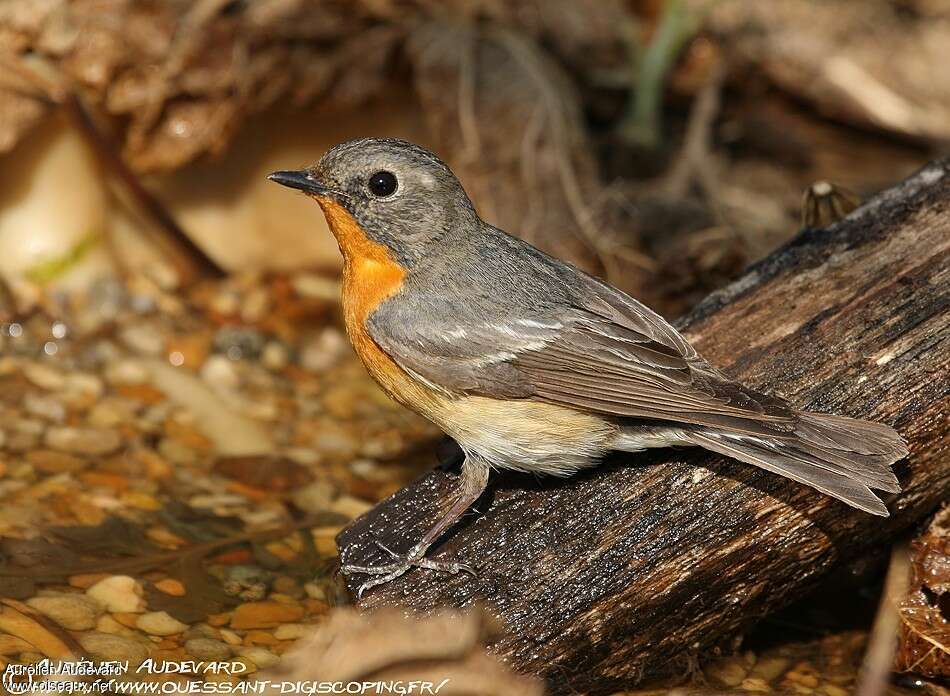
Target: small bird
point(533, 365)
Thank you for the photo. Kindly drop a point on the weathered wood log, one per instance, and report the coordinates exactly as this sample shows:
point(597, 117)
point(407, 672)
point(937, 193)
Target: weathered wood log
point(622, 572)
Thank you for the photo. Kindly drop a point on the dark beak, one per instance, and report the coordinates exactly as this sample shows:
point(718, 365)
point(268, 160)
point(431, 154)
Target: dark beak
point(302, 180)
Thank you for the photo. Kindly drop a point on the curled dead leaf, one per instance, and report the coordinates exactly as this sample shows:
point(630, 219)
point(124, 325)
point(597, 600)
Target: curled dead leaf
point(925, 611)
point(445, 646)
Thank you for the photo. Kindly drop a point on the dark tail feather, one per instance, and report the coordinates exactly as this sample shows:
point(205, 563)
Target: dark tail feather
point(842, 457)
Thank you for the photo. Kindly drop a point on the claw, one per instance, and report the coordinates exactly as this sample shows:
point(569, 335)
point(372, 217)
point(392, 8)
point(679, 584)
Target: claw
point(415, 558)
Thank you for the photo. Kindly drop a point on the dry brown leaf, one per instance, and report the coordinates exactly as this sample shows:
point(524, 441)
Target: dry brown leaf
point(864, 62)
point(21, 621)
point(388, 645)
point(265, 472)
point(925, 612)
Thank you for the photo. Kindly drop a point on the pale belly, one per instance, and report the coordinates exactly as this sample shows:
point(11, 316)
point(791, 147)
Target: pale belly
point(525, 435)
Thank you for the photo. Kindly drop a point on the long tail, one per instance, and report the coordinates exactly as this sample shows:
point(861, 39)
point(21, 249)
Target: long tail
point(842, 457)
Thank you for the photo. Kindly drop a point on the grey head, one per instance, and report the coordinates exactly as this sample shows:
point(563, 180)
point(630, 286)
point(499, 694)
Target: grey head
point(400, 195)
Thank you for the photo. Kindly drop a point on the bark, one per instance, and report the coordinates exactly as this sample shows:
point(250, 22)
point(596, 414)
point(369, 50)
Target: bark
point(626, 571)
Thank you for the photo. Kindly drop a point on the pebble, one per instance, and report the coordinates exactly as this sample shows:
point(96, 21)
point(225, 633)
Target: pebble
point(177, 452)
point(261, 657)
point(325, 352)
point(43, 376)
point(292, 631)
point(53, 462)
point(107, 646)
point(803, 678)
point(230, 637)
point(770, 668)
point(316, 287)
point(264, 615)
point(44, 407)
point(143, 338)
point(834, 690)
point(208, 649)
point(727, 672)
point(226, 301)
point(314, 497)
point(160, 623)
point(118, 594)
point(334, 441)
point(73, 612)
point(95, 441)
point(127, 372)
point(84, 383)
point(314, 591)
point(256, 305)
point(107, 624)
point(350, 506)
point(220, 372)
point(170, 586)
point(754, 684)
point(274, 356)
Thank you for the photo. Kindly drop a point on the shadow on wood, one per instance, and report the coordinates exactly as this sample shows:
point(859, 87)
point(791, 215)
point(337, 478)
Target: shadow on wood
point(623, 572)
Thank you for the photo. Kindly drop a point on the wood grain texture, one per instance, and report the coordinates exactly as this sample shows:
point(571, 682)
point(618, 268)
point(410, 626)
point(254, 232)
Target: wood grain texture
point(619, 573)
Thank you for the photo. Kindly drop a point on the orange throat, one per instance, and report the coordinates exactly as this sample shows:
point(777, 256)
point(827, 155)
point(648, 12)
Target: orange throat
point(370, 276)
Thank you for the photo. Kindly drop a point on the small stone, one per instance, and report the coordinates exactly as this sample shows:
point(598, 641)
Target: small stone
point(160, 623)
point(106, 646)
point(754, 684)
point(350, 506)
point(727, 672)
point(256, 305)
point(127, 372)
point(230, 637)
point(84, 581)
point(73, 612)
point(291, 631)
point(274, 356)
point(314, 497)
point(208, 649)
point(170, 586)
point(95, 441)
point(53, 462)
point(107, 624)
point(770, 668)
point(44, 377)
point(324, 352)
point(335, 441)
point(834, 690)
point(177, 452)
point(316, 287)
point(314, 591)
point(118, 594)
point(108, 414)
point(44, 407)
point(143, 338)
point(802, 678)
point(261, 657)
point(264, 615)
point(218, 620)
point(84, 383)
point(220, 372)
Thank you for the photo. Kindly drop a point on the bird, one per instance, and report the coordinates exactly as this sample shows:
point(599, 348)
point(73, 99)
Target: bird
point(530, 363)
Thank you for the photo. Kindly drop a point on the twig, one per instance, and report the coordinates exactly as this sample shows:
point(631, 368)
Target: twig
point(190, 261)
point(143, 563)
point(695, 157)
point(882, 645)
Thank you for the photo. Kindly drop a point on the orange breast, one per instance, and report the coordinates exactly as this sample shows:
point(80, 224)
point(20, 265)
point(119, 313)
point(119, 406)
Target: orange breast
point(370, 276)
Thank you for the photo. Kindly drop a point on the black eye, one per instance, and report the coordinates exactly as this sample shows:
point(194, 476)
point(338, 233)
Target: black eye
point(383, 184)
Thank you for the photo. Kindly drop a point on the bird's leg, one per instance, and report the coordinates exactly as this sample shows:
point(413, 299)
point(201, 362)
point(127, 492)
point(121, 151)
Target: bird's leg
point(473, 479)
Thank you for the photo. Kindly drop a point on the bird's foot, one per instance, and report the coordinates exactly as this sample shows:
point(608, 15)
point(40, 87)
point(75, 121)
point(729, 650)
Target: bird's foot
point(415, 558)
